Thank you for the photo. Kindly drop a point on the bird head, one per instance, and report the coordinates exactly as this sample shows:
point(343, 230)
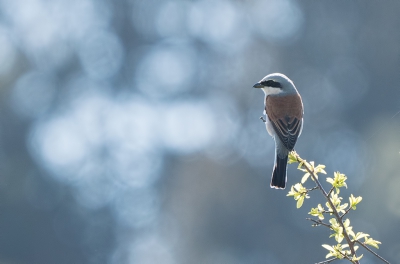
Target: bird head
point(275, 83)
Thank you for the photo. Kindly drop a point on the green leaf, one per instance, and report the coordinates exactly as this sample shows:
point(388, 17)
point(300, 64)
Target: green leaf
point(305, 177)
point(372, 242)
point(360, 235)
point(349, 229)
point(342, 208)
point(337, 229)
point(292, 157)
point(336, 199)
point(318, 211)
point(300, 201)
point(330, 180)
point(335, 251)
point(338, 181)
point(320, 169)
point(357, 258)
point(354, 201)
point(292, 191)
point(299, 193)
point(328, 247)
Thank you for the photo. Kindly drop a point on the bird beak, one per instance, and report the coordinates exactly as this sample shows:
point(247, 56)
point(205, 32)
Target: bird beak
point(258, 85)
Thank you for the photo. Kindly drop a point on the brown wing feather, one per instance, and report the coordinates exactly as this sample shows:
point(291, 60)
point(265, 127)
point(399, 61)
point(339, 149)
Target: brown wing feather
point(285, 114)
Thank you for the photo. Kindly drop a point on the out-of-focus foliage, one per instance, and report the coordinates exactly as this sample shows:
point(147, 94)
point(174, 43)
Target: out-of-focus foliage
point(129, 131)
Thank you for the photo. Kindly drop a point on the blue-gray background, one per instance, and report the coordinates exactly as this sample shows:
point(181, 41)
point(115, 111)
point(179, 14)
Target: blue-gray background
point(129, 131)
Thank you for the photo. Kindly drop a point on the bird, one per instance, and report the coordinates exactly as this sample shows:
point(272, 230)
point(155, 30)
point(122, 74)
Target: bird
point(284, 110)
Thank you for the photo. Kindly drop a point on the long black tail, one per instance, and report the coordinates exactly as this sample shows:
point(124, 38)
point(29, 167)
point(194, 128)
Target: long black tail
point(278, 180)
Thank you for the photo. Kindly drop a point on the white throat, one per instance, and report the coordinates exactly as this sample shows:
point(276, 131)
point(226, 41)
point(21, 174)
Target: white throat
point(271, 90)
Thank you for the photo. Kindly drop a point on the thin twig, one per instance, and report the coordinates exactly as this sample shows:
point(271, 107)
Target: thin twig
point(330, 191)
point(348, 210)
point(327, 261)
point(333, 208)
point(312, 189)
point(319, 222)
point(370, 250)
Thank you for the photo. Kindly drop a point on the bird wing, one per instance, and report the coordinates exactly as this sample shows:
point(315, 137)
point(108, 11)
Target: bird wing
point(286, 116)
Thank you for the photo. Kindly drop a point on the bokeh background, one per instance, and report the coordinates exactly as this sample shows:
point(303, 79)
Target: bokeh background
point(129, 131)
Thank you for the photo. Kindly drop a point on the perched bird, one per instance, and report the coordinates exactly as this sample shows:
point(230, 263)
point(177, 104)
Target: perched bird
point(284, 109)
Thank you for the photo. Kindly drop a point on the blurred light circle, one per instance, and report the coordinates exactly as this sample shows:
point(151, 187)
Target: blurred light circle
point(45, 30)
point(80, 17)
point(101, 54)
point(212, 20)
point(166, 70)
point(171, 20)
point(228, 119)
point(276, 20)
point(100, 132)
point(188, 126)
point(132, 121)
point(218, 23)
point(60, 143)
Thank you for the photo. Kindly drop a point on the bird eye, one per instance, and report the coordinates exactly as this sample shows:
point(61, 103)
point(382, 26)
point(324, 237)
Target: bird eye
point(271, 83)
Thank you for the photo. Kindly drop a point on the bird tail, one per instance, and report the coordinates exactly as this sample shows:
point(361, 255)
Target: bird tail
point(278, 180)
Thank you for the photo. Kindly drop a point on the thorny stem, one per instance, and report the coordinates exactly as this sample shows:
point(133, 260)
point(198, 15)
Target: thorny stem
point(307, 166)
point(367, 248)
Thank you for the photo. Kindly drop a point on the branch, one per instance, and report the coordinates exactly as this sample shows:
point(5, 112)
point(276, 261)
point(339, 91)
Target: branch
point(319, 222)
point(370, 250)
point(330, 191)
point(307, 166)
point(312, 189)
point(348, 210)
point(327, 261)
